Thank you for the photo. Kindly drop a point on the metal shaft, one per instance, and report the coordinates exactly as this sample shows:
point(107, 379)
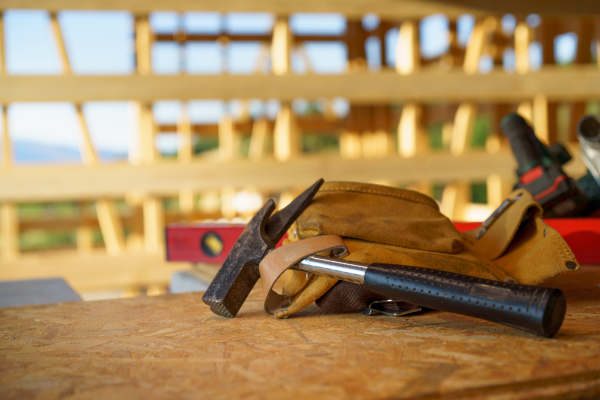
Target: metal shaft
point(344, 270)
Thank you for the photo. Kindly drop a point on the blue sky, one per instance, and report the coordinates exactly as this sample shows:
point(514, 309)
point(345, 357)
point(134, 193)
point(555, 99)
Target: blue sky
point(101, 43)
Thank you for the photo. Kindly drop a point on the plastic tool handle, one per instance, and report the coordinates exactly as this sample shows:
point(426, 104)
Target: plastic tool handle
point(522, 141)
point(536, 309)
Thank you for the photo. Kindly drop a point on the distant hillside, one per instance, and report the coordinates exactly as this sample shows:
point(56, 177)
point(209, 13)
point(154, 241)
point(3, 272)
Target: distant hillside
point(32, 152)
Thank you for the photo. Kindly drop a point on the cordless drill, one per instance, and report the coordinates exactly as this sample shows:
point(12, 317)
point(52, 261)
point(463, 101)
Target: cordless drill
point(540, 171)
point(588, 134)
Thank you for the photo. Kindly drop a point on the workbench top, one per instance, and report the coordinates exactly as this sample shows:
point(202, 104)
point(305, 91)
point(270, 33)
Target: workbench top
point(172, 346)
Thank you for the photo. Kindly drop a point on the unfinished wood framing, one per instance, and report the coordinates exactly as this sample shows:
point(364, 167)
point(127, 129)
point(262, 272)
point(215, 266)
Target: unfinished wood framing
point(166, 178)
point(523, 38)
point(213, 179)
point(281, 47)
point(229, 140)
point(258, 139)
point(462, 129)
point(143, 44)
point(94, 271)
point(408, 56)
point(84, 229)
point(108, 216)
point(474, 48)
point(185, 154)
point(286, 139)
point(401, 9)
point(154, 225)
point(110, 226)
point(185, 151)
point(412, 139)
point(350, 145)
point(2, 46)
point(7, 156)
point(60, 44)
point(9, 230)
point(544, 119)
point(359, 87)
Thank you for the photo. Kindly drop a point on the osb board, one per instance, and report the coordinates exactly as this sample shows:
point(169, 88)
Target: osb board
point(172, 346)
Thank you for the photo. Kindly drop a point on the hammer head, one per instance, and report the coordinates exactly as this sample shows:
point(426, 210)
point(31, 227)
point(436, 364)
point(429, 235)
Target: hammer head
point(239, 273)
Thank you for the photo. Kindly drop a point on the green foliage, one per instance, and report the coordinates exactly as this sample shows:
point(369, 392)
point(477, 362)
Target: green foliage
point(479, 193)
point(206, 144)
point(319, 143)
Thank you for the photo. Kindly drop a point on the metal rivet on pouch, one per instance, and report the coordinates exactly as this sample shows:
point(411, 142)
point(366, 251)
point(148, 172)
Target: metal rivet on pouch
point(570, 265)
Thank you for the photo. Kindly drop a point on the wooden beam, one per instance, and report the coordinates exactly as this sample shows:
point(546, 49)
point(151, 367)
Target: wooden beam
point(7, 157)
point(145, 152)
point(398, 9)
point(260, 130)
point(83, 225)
point(60, 44)
point(350, 145)
point(110, 226)
point(229, 143)
point(143, 44)
point(166, 178)
point(95, 271)
point(557, 83)
point(286, 140)
point(108, 216)
point(454, 200)
point(185, 151)
point(474, 48)
point(411, 137)
point(542, 124)
point(154, 225)
point(523, 38)
point(281, 47)
point(408, 55)
point(86, 147)
point(2, 46)
point(462, 129)
point(9, 231)
point(393, 9)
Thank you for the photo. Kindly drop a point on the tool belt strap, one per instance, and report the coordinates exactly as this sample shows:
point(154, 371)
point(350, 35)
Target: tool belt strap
point(283, 258)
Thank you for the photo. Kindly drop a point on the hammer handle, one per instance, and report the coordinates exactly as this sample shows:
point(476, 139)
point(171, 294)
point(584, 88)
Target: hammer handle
point(536, 309)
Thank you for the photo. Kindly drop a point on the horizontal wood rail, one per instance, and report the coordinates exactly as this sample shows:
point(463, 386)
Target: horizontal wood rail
point(425, 86)
point(167, 177)
point(351, 8)
point(94, 271)
point(311, 124)
point(183, 37)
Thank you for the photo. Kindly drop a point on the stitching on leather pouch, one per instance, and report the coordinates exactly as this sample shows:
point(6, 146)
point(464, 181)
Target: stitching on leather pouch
point(554, 234)
point(556, 246)
point(376, 192)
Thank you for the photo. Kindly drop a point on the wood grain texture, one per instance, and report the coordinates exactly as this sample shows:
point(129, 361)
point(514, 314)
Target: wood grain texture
point(172, 346)
point(167, 177)
point(580, 82)
point(354, 8)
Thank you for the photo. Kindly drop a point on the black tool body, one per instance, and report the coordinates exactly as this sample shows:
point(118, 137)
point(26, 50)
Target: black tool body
point(536, 309)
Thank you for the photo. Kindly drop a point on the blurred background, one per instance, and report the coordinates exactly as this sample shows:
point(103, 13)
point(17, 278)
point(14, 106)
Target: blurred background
point(116, 123)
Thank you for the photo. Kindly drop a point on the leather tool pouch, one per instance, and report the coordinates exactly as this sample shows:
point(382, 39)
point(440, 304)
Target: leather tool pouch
point(397, 226)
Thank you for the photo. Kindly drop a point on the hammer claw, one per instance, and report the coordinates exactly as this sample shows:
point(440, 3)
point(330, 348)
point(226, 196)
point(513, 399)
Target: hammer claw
point(281, 221)
point(239, 273)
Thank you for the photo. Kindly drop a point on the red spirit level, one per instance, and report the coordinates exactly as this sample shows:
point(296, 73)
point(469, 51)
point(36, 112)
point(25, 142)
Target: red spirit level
point(211, 242)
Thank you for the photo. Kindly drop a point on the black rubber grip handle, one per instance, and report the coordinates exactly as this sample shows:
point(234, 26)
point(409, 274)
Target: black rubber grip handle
point(522, 140)
point(536, 309)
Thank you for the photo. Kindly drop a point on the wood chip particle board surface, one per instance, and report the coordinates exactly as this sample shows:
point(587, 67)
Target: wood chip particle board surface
point(172, 347)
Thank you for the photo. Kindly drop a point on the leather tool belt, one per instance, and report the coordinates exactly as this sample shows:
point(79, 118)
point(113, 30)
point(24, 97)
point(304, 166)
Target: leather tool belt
point(379, 224)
